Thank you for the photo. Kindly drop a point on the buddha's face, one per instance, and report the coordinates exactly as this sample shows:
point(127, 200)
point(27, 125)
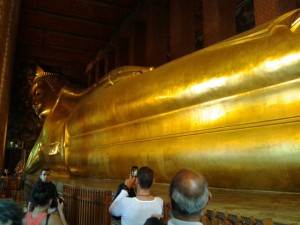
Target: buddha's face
point(43, 98)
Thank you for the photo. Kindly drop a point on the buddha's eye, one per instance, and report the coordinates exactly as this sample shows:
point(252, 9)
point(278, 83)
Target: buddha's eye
point(37, 93)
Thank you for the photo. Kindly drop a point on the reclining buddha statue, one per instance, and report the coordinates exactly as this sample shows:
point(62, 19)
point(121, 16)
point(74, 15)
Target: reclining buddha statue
point(230, 111)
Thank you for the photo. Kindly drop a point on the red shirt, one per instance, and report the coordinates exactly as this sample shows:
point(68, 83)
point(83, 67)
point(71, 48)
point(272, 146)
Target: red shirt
point(35, 221)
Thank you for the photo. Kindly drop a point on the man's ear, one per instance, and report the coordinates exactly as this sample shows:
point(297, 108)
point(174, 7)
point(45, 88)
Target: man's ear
point(209, 197)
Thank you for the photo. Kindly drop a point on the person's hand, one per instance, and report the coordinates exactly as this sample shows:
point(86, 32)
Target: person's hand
point(60, 206)
point(130, 182)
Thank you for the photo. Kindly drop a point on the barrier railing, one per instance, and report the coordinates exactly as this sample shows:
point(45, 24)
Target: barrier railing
point(213, 217)
point(87, 205)
point(11, 187)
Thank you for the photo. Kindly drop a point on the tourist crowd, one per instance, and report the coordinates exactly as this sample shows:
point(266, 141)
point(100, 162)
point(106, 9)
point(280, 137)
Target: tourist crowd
point(133, 203)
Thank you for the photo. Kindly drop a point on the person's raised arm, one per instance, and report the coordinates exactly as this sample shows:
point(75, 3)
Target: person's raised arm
point(60, 208)
point(114, 208)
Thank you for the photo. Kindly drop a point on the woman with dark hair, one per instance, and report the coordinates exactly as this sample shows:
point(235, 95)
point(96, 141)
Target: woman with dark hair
point(42, 194)
point(45, 177)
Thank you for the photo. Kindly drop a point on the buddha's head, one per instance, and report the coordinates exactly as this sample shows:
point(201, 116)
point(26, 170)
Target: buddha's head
point(44, 91)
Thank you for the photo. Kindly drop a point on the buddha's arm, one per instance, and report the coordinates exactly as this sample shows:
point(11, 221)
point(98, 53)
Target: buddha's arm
point(212, 104)
point(33, 162)
point(215, 73)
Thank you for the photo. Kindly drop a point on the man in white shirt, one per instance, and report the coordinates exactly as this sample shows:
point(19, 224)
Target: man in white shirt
point(189, 195)
point(136, 210)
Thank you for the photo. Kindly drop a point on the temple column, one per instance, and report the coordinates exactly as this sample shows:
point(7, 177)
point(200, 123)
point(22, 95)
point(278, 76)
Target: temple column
point(266, 10)
point(109, 61)
point(122, 52)
point(218, 21)
point(9, 16)
point(157, 33)
point(137, 44)
point(182, 28)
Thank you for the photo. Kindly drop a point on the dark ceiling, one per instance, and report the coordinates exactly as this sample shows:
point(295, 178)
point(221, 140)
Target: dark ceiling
point(67, 34)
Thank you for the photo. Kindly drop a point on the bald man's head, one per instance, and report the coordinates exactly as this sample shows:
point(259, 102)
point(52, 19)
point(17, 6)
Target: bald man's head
point(189, 193)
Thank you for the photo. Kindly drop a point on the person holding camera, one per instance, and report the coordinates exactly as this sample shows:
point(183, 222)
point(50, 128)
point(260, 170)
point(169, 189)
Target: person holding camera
point(42, 196)
point(45, 177)
point(136, 210)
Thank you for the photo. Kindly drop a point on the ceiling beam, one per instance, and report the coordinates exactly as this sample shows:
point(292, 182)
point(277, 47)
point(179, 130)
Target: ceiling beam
point(33, 49)
point(140, 6)
point(59, 39)
point(73, 18)
point(65, 25)
point(109, 4)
